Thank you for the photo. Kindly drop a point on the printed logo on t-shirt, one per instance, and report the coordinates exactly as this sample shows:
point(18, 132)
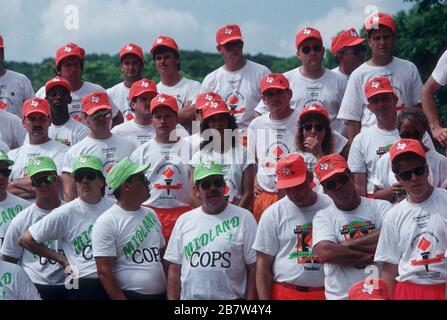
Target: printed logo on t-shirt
point(234, 102)
point(63, 141)
point(5, 281)
point(303, 252)
point(275, 152)
point(168, 171)
point(383, 150)
point(82, 244)
point(357, 229)
point(426, 242)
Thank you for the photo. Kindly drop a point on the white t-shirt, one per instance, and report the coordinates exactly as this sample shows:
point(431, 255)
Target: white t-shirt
point(110, 151)
point(53, 149)
point(15, 88)
point(406, 81)
point(327, 90)
point(271, 140)
point(4, 147)
point(12, 131)
point(367, 148)
point(185, 90)
point(75, 108)
point(440, 72)
point(16, 285)
point(9, 208)
point(233, 162)
point(168, 172)
point(338, 71)
point(414, 237)
point(285, 232)
point(119, 94)
point(332, 224)
point(69, 133)
point(240, 89)
point(135, 239)
point(39, 269)
point(71, 225)
point(213, 251)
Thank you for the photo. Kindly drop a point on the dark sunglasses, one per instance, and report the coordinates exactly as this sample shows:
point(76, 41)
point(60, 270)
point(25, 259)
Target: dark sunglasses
point(411, 135)
point(355, 50)
point(218, 183)
point(103, 113)
point(330, 185)
point(37, 182)
point(418, 171)
point(233, 44)
point(309, 127)
point(5, 172)
point(61, 92)
point(89, 175)
point(316, 48)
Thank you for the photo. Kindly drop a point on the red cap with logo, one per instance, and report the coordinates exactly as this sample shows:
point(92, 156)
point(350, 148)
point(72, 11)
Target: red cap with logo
point(164, 41)
point(132, 48)
point(291, 171)
point(405, 146)
point(229, 32)
point(1, 42)
point(274, 80)
point(375, 20)
point(69, 50)
point(329, 166)
point(378, 85)
point(206, 97)
point(3, 105)
point(347, 38)
point(142, 86)
point(307, 33)
point(314, 108)
point(164, 100)
point(55, 82)
point(36, 105)
point(369, 289)
point(214, 107)
point(95, 101)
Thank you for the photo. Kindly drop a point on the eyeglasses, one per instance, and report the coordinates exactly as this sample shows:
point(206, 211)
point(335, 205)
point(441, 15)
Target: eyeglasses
point(330, 185)
point(411, 135)
point(316, 48)
point(89, 175)
point(37, 182)
point(218, 183)
point(418, 171)
point(5, 172)
point(102, 113)
point(355, 50)
point(309, 127)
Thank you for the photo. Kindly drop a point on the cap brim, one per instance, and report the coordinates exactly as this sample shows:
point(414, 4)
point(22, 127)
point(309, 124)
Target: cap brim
point(275, 87)
point(289, 183)
point(214, 113)
point(142, 92)
point(163, 45)
point(379, 92)
point(36, 111)
point(102, 107)
point(54, 84)
point(234, 38)
point(141, 168)
point(163, 105)
point(43, 170)
point(206, 175)
point(333, 173)
point(355, 42)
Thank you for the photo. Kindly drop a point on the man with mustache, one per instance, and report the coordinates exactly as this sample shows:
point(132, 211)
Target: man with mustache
point(210, 252)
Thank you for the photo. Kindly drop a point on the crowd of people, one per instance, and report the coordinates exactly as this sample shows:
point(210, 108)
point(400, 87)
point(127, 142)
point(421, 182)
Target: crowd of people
point(309, 185)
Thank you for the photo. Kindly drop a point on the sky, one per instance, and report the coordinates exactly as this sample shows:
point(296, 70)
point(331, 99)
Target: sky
point(33, 30)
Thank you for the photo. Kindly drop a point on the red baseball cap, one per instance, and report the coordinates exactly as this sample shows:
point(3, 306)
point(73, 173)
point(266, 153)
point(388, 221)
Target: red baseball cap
point(374, 20)
point(95, 101)
point(291, 171)
point(214, 107)
point(3, 105)
point(164, 100)
point(142, 86)
point(347, 38)
point(369, 289)
point(307, 33)
point(36, 105)
point(132, 48)
point(57, 81)
point(378, 85)
point(165, 42)
point(274, 80)
point(70, 49)
point(1, 42)
point(405, 146)
point(206, 97)
point(229, 32)
point(329, 166)
point(314, 108)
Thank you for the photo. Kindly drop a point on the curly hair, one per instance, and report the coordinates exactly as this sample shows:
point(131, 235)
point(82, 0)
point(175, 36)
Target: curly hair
point(231, 120)
point(328, 142)
point(413, 114)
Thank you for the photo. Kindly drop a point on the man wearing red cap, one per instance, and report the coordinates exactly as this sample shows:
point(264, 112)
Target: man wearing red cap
point(413, 240)
point(237, 81)
point(349, 52)
point(166, 55)
point(169, 160)
point(403, 74)
point(131, 66)
point(99, 142)
point(15, 87)
point(271, 137)
point(285, 266)
point(69, 63)
point(312, 82)
point(36, 121)
point(345, 234)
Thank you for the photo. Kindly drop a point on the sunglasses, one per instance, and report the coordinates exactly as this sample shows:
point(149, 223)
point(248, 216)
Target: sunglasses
point(218, 183)
point(316, 48)
point(60, 91)
point(355, 50)
point(104, 113)
point(89, 175)
point(309, 127)
point(233, 44)
point(5, 172)
point(330, 185)
point(37, 182)
point(411, 135)
point(418, 171)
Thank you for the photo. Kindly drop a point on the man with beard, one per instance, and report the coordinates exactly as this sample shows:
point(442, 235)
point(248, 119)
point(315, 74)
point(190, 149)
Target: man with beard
point(210, 252)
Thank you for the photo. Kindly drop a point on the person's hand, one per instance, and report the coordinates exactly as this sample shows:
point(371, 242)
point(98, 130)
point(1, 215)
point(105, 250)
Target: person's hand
point(397, 189)
point(258, 190)
point(313, 145)
point(440, 134)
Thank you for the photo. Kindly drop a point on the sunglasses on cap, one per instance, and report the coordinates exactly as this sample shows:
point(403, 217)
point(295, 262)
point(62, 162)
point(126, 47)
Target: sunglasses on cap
point(354, 50)
point(37, 182)
point(330, 185)
point(309, 127)
point(418, 171)
point(5, 172)
point(316, 48)
point(90, 175)
point(411, 135)
point(218, 183)
point(101, 113)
